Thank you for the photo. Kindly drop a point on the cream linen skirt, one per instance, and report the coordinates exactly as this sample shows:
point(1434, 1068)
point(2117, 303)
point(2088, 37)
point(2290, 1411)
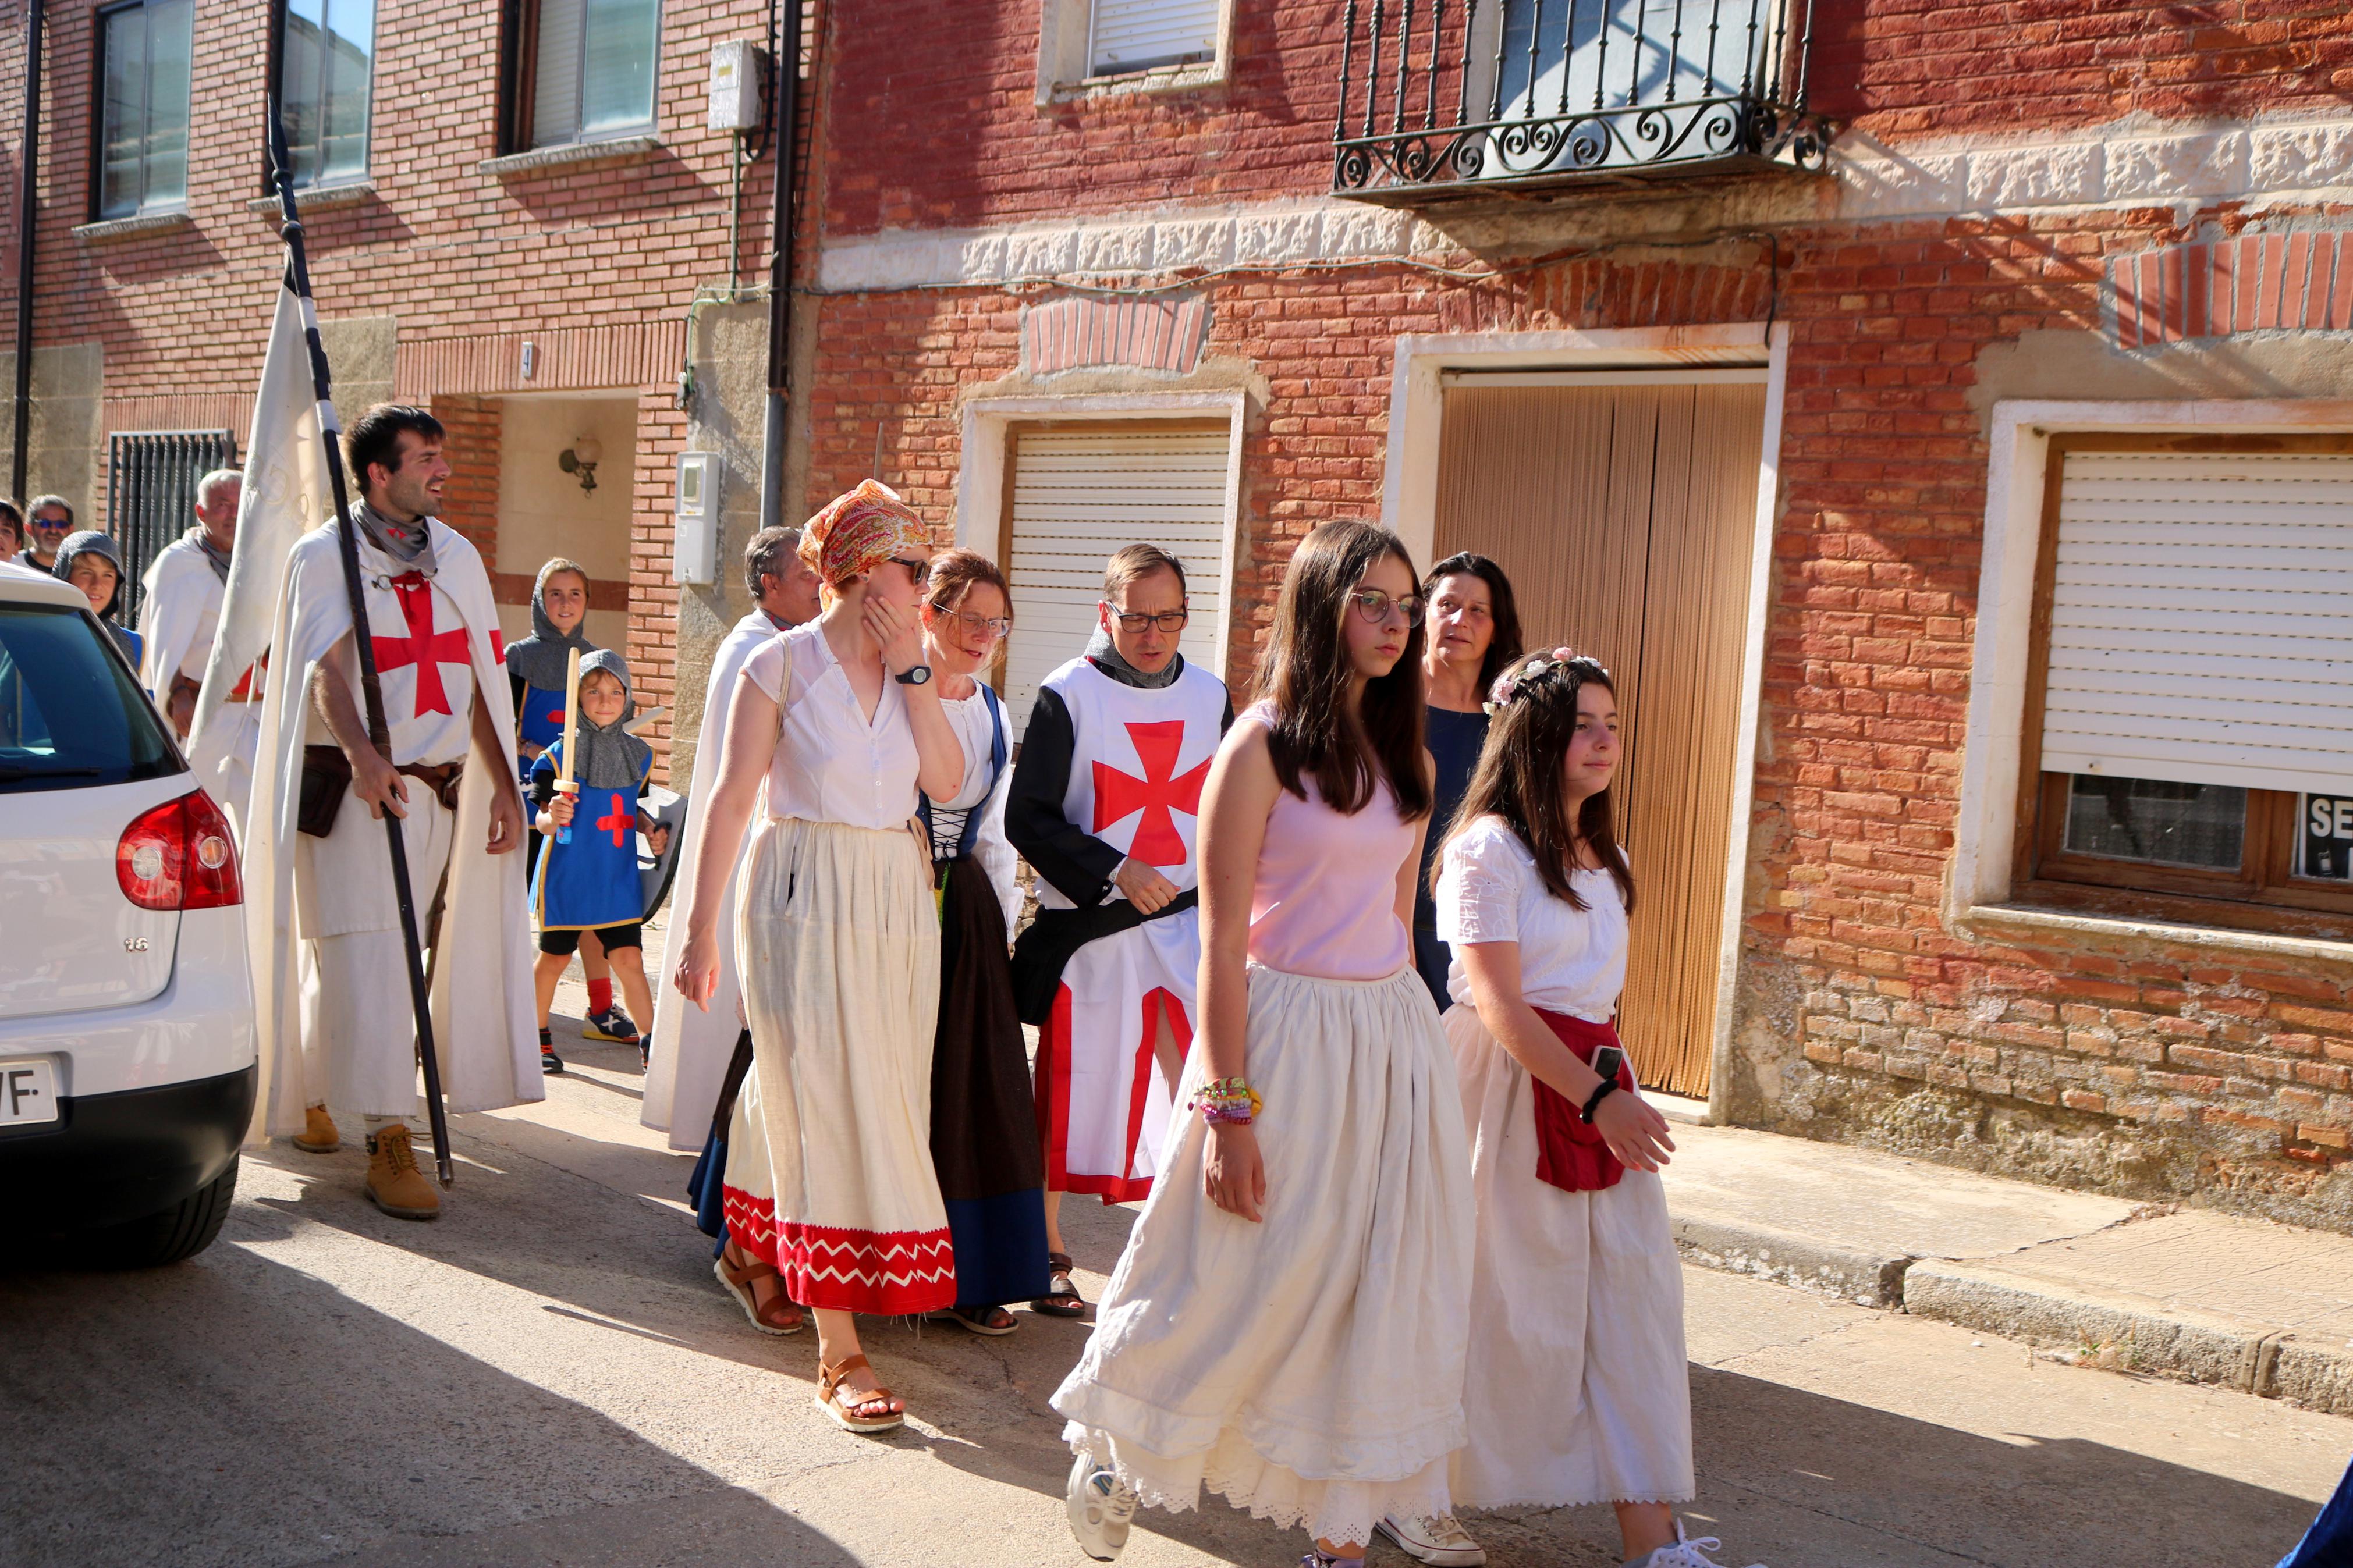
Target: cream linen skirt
point(829, 1151)
point(1577, 1389)
point(1308, 1367)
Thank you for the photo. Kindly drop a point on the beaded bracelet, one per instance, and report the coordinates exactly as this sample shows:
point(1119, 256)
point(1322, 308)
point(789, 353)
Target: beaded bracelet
point(1226, 1099)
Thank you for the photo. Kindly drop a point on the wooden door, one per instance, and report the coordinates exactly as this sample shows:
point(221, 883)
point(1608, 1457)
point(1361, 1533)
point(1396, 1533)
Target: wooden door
point(1625, 516)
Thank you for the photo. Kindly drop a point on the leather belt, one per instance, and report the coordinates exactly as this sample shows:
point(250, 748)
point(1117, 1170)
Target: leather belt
point(441, 778)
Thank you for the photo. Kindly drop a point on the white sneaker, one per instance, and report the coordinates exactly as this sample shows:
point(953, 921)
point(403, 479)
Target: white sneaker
point(1100, 1509)
point(1440, 1539)
point(1684, 1553)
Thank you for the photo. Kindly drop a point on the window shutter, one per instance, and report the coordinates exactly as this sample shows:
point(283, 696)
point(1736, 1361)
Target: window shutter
point(1135, 35)
point(555, 82)
point(1079, 496)
point(2201, 619)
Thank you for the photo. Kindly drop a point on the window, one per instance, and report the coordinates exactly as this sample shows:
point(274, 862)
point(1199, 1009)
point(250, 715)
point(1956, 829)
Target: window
point(326, 57)
point(1139, 34)
point(592, 76)
point(71, 717)
point(2190, 737)
point(144, 53)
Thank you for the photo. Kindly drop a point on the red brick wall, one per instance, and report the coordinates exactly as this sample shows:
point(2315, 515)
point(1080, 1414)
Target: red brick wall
point(469, 501)
point(652, 650)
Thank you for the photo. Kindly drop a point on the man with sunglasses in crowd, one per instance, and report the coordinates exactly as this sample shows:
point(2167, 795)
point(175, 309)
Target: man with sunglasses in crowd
point(1104, 806)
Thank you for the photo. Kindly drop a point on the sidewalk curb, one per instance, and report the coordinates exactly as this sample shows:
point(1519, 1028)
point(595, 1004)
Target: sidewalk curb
point(1851, 1274)
point(2199, 1347)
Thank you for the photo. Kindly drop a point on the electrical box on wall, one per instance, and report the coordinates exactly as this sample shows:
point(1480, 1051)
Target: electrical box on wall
point(694, 536)
point(737, 70)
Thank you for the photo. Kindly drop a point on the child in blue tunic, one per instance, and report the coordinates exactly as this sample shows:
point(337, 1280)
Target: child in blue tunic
point(590, 882)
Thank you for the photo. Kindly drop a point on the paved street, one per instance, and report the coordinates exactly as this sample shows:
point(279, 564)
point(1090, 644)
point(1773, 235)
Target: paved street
point(549, 1377)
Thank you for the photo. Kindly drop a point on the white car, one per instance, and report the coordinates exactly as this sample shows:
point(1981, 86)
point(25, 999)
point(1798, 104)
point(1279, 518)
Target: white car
point(127, 1043)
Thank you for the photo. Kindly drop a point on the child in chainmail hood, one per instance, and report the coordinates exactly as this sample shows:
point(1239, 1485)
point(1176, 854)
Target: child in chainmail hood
point(88, 561)
point(590, 883)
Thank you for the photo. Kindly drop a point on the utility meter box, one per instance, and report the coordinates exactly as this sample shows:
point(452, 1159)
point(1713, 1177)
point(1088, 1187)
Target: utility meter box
point(694, 536)
point(737, 70)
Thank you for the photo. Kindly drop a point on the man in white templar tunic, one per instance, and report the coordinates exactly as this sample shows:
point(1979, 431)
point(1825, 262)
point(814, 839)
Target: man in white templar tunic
point(332, 972)
point(177, 619)
point(1104, 806)
point(693, 1050)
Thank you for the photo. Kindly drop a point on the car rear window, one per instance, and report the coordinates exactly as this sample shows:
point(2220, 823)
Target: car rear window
point(71, 717)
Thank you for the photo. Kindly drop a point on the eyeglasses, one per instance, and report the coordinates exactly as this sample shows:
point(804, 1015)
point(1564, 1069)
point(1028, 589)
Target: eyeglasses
point(994, 625)
point(1166, 620)
point(920, 571)
point(1376, 606)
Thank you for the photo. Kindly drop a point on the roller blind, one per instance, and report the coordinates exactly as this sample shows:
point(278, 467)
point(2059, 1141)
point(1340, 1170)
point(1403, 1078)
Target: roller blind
point(1136, 35)
point(2201, 619)
point(1077, 497)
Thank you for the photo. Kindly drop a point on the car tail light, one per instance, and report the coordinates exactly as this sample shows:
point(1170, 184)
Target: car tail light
point(179, 856)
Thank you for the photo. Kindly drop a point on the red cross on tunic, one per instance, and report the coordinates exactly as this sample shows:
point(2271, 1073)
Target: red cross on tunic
point(1156, 794)
point(616, 823)
point(426, 648)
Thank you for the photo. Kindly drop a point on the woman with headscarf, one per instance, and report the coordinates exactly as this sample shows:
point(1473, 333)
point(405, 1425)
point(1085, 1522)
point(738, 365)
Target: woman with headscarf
point(88, 561)
point(536, 669)
point(829, 1180)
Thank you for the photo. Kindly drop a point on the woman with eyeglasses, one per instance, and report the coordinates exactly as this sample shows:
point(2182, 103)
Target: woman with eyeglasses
point(983, 1135)
point(838, 729)
point(1474, 632)
point(1287, 1324)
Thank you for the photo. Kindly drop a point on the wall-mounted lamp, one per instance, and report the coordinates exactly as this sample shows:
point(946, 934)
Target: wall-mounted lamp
point(581, 458)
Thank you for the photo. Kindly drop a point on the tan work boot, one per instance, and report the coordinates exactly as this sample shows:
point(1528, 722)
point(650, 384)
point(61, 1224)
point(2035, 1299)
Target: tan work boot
point(318, 1135)
point(395, 1185)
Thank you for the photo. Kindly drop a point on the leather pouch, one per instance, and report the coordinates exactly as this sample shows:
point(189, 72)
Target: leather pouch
point(326, 780)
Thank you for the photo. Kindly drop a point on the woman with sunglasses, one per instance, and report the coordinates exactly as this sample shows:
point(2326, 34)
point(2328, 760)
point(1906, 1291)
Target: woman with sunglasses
point(837, 728)
point(1288, 1322)
point(984, 1134)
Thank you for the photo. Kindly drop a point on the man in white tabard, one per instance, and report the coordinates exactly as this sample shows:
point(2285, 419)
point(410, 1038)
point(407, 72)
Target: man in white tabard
point(693, 1050)
point(178, 616)
point(1104, 806)
point(331, 972)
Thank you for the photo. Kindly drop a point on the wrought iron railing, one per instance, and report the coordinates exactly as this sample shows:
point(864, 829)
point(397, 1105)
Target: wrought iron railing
point(1450, 97)
point(151, 497)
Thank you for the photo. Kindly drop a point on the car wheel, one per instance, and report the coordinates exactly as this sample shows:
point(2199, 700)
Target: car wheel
point(182, 1231)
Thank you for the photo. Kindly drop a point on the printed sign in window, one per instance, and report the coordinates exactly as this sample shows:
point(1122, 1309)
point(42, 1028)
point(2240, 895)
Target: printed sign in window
point(2324, 846)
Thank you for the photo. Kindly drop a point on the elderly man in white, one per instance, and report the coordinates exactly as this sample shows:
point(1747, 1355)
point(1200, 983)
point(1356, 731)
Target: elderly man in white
point(178, 618)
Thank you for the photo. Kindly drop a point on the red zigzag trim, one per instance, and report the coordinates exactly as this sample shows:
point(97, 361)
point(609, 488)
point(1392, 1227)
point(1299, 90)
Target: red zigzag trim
point(846, 1269)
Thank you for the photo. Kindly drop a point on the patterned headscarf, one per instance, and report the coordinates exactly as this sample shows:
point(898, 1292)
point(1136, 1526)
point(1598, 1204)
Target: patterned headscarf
point(858, 531)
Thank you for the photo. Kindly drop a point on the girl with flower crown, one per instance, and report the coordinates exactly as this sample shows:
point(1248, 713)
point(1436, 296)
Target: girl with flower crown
point(1576, 1390)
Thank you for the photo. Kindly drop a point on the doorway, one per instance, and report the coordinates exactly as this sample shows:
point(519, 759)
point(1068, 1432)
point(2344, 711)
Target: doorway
point(1623, 507)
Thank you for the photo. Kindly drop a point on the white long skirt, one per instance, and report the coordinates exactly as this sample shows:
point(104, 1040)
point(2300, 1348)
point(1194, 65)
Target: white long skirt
point(1576, 1390)
point(1308, 1367)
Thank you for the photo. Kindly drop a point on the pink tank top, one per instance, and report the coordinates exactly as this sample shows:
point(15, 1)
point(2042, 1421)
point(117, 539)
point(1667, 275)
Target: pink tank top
point(1326, 899)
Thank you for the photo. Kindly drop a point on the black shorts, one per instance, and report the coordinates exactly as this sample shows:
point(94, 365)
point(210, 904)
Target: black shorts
point(630, 933)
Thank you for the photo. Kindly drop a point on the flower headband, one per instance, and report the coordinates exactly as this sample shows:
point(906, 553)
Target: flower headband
point(1517, 681)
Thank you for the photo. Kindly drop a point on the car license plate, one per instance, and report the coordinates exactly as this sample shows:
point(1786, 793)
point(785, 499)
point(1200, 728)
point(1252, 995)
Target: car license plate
point(28, 1092)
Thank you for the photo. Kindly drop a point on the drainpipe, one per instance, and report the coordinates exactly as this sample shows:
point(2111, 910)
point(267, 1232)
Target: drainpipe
point(26, 153)
point(787, 97)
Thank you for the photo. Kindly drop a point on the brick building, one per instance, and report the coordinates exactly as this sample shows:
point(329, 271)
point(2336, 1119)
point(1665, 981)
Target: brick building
point(1939, 417)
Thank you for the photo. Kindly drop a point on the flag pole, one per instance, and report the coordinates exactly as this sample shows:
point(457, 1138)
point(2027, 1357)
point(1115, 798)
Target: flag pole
point(371, 688)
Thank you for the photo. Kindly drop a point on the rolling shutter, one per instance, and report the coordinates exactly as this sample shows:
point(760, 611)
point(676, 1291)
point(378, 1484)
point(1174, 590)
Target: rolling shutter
point(1136, 35)
point(2201, 619)
point(1077, 496)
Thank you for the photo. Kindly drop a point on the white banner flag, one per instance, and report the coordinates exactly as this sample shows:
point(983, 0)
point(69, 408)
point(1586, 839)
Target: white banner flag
point(286, 496)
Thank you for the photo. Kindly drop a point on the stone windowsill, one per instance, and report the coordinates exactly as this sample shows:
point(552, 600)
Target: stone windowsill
point(541, 158)
point(131, 227)
point(1159, 79)
point(2223, 939)
point(316, 198)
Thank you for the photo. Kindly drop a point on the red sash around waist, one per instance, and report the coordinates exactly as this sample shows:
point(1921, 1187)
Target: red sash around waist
point(1570, 1154)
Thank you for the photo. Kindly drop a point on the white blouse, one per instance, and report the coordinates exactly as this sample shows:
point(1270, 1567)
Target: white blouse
point(1572, 960)
point(831, 764)
point(969, 718)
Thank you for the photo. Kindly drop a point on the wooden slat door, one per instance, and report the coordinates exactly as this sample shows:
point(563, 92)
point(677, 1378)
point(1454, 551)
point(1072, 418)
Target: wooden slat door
point(1624, 516)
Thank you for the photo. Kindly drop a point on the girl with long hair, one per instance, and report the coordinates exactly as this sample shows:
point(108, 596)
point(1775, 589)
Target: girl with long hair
point(1319, 1175)
point(1576, 1390)
point(985, 1148)
point(1474, 632)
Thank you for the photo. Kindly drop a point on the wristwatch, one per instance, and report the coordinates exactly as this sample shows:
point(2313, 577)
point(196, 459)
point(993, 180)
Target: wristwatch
point(919, 675)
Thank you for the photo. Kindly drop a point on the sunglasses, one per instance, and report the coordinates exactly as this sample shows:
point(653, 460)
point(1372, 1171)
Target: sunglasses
point(920, 571)
point(1376, 606)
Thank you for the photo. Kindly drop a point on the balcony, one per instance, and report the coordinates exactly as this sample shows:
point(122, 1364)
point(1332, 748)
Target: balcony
point(1445, 101)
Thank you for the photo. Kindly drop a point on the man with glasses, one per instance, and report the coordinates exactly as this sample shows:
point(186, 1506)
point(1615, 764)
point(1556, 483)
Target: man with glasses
point(1102, 806)
point(46, 527)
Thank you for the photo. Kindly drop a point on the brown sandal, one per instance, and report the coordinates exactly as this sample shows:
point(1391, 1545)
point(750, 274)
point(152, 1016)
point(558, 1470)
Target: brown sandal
point(830, 1400)
point(780, 1316)
point(1064, 1302)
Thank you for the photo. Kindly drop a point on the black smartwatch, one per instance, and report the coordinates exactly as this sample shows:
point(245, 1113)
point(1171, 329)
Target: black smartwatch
point(1602, 1091)
point(921, 675)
